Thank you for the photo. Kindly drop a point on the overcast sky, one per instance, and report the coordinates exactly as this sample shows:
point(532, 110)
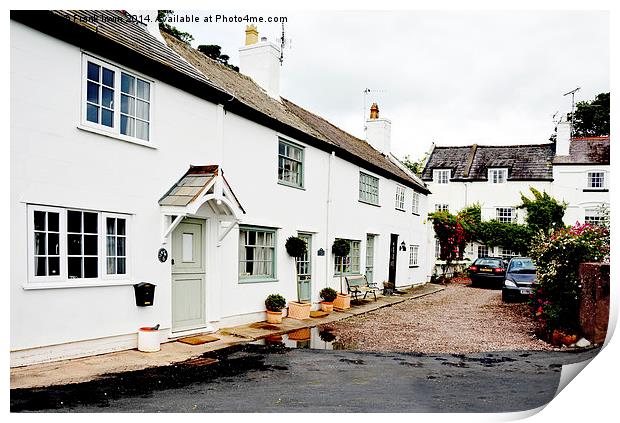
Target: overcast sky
point(450, 77)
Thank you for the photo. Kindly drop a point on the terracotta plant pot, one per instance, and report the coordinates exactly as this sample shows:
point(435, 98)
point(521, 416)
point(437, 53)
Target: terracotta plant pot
point(274, 316)
point(342, 302)
point(299, 311)
point(327, 307)
point(302, 334)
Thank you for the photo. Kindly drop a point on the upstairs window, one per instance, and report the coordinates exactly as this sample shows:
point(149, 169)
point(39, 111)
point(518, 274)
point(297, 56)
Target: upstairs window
point(498, 176)
point(415, 203)
point(441, 176)
point(400, 197)
point(369, 189)
point(596, 179)
point(290, 164)
point(115, 100)
point(505, 214)
point(442, 207)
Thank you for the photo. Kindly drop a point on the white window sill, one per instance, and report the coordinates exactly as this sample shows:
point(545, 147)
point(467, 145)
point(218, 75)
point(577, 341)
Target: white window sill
point(65, 284)
point(117, 136)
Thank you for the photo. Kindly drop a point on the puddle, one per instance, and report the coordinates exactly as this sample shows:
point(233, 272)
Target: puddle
point(315, 338)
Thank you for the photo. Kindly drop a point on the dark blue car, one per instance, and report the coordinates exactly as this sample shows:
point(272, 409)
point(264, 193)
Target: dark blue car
point(520, 276)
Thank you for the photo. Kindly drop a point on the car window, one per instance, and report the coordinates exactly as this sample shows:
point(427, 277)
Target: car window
point(488, 262)
point(519, 264)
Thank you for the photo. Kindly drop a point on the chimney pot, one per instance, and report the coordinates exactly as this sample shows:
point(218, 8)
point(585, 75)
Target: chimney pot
point(374, 111)
point(263, 39)
point(251, 35)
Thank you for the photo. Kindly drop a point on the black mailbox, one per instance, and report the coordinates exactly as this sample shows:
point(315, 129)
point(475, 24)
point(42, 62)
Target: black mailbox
point(144, 294)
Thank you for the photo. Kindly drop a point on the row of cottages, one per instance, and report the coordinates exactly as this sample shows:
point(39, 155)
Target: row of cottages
point(149, 162)
point(572, 170)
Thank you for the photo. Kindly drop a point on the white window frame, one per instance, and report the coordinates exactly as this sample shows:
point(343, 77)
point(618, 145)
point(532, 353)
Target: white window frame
point(348, 262)
point(442, 207)
point(415, 203)
point(593, 216)
point(482, 248)
point(497, 175)
point(62, 280)
point(247, 278)
point(437, 249)
point(400, 197)
point(368, 191)
point(414, 252)
point(115, 131)
point(501, 216)
point(441, 176)
point(591, 179)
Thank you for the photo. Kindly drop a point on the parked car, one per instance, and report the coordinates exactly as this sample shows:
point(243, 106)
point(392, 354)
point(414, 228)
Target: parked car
point(487, 271)
point(520, 276)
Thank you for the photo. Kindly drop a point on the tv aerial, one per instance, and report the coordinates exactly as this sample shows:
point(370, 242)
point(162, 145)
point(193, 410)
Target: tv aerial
point(284, 42)
point(572, 110)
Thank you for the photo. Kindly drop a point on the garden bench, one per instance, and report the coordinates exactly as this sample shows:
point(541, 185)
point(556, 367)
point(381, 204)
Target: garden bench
point(358, 284)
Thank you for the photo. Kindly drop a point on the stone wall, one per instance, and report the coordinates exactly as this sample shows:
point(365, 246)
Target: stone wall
point(594, 307)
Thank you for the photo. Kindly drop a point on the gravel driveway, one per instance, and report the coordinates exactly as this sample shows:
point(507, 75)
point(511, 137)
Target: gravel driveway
point(460, 319)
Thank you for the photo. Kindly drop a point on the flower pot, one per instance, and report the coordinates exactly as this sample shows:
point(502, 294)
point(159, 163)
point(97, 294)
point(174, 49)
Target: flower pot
point(342, 302)
point(148, 340)
point(327, 307)
point(302, 334)
point(299, 311)
point(274, 316)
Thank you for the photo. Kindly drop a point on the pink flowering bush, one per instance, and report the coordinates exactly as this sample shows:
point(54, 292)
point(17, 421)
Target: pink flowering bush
point(555, 299)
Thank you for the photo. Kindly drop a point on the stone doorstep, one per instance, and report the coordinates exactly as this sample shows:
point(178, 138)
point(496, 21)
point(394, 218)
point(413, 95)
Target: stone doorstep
point(89, 368)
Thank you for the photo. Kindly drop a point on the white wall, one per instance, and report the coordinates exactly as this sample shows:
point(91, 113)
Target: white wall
point(569, 184)
point(55, 163)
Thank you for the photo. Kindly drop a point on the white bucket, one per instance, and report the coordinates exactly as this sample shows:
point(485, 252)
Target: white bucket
point(148, 340)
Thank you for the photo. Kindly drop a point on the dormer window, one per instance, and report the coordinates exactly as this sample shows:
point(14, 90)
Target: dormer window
point(441, 176)
point(498, 176)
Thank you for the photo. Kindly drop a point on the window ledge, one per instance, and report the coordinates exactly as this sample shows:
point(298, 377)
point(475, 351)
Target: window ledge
point(290, 185)
point(116, 136)
point(414, 267)
point(65, 284)
point(244, 281)
point(397, 209)
point(595, 190)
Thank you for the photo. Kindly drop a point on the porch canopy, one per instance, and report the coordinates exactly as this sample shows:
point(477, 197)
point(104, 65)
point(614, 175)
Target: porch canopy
point(200, 186)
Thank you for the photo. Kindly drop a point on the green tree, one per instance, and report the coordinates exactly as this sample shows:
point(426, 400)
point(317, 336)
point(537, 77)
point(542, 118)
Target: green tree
point(415, 167)
point(162, 17)
point(215, 52)
point(543, 212)
point(592, 117)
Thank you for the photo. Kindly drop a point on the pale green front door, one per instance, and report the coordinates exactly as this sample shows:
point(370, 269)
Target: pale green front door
point(188, 276)
point(370, 257)
point(304, 270)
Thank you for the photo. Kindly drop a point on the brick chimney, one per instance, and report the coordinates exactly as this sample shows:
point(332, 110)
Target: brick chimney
point(378, 131)
point(260, 60)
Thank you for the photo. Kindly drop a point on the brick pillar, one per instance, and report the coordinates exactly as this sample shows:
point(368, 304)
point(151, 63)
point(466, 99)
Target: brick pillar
point(594, 306)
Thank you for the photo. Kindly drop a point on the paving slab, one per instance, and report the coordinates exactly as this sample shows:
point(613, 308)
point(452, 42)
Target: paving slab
point(93, 367)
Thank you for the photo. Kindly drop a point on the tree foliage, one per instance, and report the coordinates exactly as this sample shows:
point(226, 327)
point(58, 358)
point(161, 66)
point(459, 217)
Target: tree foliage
point(591, 118)
point(543, 212)
point(162, 17)
point(415, 166)
point(215, 52)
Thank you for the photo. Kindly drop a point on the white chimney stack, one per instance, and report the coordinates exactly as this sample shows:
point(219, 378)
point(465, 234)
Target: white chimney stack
point(261, 61)
point(563, 136)
point(379, 131)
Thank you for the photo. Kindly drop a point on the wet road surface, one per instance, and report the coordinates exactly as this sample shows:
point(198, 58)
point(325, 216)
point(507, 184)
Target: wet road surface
point(274, 378)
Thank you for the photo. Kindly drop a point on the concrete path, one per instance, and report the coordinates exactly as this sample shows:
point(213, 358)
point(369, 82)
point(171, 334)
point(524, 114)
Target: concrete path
point(90, 368)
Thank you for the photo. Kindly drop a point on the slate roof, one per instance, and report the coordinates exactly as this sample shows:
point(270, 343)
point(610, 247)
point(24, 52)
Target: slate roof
point(587, 150)
point(470, 163)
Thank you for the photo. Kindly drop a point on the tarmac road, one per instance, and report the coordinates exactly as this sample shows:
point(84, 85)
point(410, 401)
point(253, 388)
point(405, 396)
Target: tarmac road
point(255, 378)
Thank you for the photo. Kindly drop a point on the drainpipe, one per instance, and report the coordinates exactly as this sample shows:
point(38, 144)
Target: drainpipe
point(332, 157)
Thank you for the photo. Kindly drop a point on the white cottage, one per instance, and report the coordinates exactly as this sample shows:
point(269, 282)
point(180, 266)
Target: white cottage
point(137, 159)
point(572, 170)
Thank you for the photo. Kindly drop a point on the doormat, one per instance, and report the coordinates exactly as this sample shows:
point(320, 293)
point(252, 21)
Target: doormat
point(199, 339)
point(263, 325)
point(318, 313)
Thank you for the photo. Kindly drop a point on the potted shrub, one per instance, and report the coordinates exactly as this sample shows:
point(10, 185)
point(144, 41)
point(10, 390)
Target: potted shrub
point(341, 249)
point(328, 295)
point(274, 304)
point(296, 248)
